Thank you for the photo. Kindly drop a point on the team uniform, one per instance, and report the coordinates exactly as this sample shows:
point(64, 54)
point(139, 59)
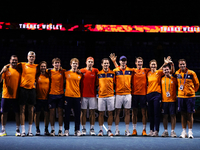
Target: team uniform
point(188, 84)
point(27, 92)
point(11, 80)
point(154, 99)
point(56, 94)
point(88, 88)
point(72, 100)
point(106, 93)
point(123, 89)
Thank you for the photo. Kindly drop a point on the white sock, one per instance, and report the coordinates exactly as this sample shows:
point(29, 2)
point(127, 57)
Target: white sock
point(83, 126)
point(144, 126)
point(92, 127)
point(166, 130)
point(101, 127)
point(172, 130)
point(134, 126)
point(117, 127)
point(184, 129)
point(189, 130)
point(109, 127)
point(30, 128)
point(17, 127)
point(127, 127)
point(60, 128)
point(52, 127)
point(3, 127)
point(23, 128)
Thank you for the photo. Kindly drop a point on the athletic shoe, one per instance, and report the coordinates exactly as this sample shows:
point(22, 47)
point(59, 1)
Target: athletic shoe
point(60, 133)
point(52, 133)
point(92, 132)
point(190, 135)
point(165, 134)
point(155, 134)
point(144, 133)
point(100, 133)
point(183, 134)
point(46, 132)
point(84, 131)
point(150, 133)
point(23, 134)
point(117, 132)
point(29, 134)
point(134, 132)
point(127, 133)
point(109, 132)
point(37, 132)
point(66, 133)
point(17, 133)
point(173, 134)
point(3, 133)
point(77, 133)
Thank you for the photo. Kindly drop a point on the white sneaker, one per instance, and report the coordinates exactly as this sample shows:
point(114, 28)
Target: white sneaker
point(117, 132)
point(29, 134)
point(173, 134)
point(165, 134)
point(190, 135)
point(183, 134)
point(17, 133)
point(100, 133)
point(92, 132)
point(3, 133)
point(77, 133)
point(127, 133)
point(60, 133)
point(109, 132)
point(66, 133)
point(155, 134)
point(52, 133)
point(150, 133)
point(83, 131)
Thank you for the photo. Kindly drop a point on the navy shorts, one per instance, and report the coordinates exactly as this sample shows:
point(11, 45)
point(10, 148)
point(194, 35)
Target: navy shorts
point(6, 104)
point(41, 104)
point(186, 104)
point(169, 108)
point(139, 100)
point(55, 101)
point(27, 96)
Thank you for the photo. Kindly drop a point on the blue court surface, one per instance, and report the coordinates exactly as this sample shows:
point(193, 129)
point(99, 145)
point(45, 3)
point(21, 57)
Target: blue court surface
point(10, 142)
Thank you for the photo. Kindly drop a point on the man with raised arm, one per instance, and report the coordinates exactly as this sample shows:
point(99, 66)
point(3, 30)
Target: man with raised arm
point(88, 93)
point(188, 84)
point(11, 78)
point(106, 98)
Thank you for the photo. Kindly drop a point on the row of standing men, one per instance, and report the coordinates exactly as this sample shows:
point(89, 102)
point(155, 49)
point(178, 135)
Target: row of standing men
point(80, 94)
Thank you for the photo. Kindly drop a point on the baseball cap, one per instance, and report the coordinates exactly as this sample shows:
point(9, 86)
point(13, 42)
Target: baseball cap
point(31, 53)
point(123, 58)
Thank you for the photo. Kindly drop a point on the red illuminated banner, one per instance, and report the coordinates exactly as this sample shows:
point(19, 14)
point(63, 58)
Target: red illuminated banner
point(101, 27)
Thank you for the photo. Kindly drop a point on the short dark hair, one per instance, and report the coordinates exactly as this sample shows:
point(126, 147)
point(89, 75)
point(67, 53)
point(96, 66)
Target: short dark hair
point(138, 58)
point(13, 56)
point(181, 60)
point(42, 62)
point(56, 59)
point(167, 65)
point(105, 59)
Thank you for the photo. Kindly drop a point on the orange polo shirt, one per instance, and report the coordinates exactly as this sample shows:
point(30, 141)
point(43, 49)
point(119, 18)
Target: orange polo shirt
point(11, 80)
point(106, 83)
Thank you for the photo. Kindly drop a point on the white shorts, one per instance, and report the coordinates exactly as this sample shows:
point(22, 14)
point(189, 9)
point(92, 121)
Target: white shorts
point(124, 100)
point(89, 102)
point(106, 102)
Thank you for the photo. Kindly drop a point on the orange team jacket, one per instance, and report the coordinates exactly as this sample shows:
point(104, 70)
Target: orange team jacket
point(106, 83)
point(28, 75)
point(123, 81)
point(169, 85)
point(191, 83)
point(73, 80)
point(88, 82)
point(154, 81)
point(57, 81)
point(11, 80)
point(42, 86)
point(139, 81)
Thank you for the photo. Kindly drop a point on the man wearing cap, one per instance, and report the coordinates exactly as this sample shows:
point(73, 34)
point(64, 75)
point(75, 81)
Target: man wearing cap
point(123, 76)
point(27, 91)
point(88, 93)
point(188, 84)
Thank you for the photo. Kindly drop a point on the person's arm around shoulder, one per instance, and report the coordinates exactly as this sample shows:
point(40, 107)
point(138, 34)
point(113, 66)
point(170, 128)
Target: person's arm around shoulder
point(4, 69)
